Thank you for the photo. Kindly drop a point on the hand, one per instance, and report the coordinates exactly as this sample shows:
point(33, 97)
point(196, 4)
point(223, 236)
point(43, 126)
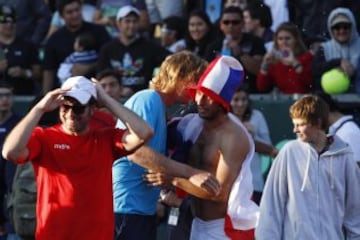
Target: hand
point(347, 67)
point(169, 198)
point(158, 179)
point(52, 100)
point(288, 56)
point(16, 72)
point(206, 181)
point(101, 94)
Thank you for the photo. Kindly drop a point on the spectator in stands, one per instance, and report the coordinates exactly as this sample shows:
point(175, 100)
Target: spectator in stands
point(288, 65)
point(19, 59)
point(258, 20)
point(247, 48)
point(158, 10)
point(106, 10)
point(343, 126)
point(342, 51)
point(84, 53)
point(256, 124)
point(33, 19)
point(172, 34)
point(60, 44)
point(133, 56)
point(200, 32)
point(312, 190)
point(110, 81)
point(311, 16)
point(87, 11)
point(8, 119)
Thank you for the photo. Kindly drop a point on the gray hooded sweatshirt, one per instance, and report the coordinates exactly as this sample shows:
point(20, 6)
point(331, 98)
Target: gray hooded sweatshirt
point(309, 196)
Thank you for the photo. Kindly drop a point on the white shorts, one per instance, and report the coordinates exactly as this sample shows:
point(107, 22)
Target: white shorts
point(208, 230)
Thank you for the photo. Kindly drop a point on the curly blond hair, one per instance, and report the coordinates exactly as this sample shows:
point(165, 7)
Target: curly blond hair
point(178, 71)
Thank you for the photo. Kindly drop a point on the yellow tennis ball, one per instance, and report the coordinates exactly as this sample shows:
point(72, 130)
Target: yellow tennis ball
point(335, 81)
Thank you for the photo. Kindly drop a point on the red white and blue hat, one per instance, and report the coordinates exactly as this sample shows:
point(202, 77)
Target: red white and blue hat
point(220, 80)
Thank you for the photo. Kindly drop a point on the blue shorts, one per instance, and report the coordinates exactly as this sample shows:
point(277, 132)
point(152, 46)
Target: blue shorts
point(135, 227)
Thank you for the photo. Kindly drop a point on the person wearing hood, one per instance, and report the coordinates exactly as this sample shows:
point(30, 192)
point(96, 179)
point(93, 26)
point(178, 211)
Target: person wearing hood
point(312, 189)
point(342, 51)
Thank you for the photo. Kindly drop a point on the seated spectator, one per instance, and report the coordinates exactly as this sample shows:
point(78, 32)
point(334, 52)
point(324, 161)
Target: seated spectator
point(342, 51)
point(132, 55)
point(200, 32)
point(256, 124)
point(258, 20)
point(61, 44)
point(19, 59)
point(84, 53)
point(106, 10)
point(288, 65)
point(33, 19)
point(110, 79)
point(245, 47)
point(87, 11)
point(159, 10)
point(172, 34)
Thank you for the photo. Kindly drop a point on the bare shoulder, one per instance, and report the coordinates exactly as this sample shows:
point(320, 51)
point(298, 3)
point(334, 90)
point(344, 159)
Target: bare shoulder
point(234, 136)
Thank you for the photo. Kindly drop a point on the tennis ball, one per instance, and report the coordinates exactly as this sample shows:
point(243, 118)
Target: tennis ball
point(335, 81)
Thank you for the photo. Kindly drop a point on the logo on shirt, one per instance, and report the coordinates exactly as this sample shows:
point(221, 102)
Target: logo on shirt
point(61, 146)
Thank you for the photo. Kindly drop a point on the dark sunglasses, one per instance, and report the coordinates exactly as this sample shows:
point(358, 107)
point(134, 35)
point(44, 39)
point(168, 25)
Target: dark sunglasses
point(233, 22)
point(345, 26)
point(7, 19)
point(77, 109)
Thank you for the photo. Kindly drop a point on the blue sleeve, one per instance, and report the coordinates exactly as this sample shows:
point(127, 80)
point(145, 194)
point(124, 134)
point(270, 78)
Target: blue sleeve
point(149, 106)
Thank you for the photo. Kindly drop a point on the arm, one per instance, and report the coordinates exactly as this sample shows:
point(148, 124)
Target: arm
point(182, 175)
point(138, 131)
point(264, 80)
point(352, 206)
point(273, 203)
point(15, 144)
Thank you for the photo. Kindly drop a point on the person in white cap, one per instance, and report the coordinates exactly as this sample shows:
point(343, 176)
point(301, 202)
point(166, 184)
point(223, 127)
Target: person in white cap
point(222, 147)
point(73, 161)
point(133, 56)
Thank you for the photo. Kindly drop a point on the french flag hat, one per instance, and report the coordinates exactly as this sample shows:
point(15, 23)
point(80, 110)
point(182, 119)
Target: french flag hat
point(220, 80)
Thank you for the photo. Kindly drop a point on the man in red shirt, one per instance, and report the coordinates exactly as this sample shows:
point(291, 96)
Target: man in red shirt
point(73, 161)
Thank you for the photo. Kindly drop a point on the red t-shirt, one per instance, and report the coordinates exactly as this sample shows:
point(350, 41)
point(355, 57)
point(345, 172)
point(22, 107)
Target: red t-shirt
point(74, 178)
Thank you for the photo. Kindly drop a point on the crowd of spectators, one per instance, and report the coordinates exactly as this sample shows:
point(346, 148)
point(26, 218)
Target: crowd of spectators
point(284, 46)
point(281, 46)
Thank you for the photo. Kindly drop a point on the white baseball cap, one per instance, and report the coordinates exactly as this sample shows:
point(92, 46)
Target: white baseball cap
point(81, 88)
point(126, 10)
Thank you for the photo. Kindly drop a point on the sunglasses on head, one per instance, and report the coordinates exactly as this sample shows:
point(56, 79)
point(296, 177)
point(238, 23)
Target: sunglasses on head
point(339, 26)
point(233, 22)
point(77, 109)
